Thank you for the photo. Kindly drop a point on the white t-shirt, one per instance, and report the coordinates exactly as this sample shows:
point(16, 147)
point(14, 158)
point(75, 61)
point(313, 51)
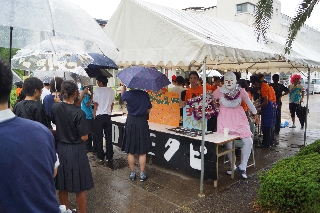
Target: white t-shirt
point(104, 96)
point(178, 89)
point(119, 89)
point(44, 93)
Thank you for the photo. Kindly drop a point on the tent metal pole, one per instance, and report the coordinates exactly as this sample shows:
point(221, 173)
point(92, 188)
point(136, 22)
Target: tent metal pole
point(10, 50)
point(201, 194)
point(307, 106)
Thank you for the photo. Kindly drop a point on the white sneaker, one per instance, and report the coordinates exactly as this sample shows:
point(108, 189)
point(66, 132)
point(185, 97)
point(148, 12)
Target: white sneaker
point(293, 126)
point(243, 174)
point(235, 170)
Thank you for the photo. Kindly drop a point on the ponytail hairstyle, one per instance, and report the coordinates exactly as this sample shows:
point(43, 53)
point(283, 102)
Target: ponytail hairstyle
point(55, 84)
point(68, 88)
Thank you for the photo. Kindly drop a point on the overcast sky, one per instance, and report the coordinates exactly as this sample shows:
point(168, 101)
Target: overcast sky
point(103, 9)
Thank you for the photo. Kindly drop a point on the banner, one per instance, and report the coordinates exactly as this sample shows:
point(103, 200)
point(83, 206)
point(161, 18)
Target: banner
point(165, 108)
point(176, 152)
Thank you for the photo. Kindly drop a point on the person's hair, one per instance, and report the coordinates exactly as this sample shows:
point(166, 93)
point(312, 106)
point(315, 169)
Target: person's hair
point(238, 76)
point(103, 79)
point(20, 97)
point(217, 78)
point(186, 81)
point(180, 80)
point(194, 73)
point(222, 79)
point(19, 84)
point(242, 83)
point(31, 84)
point(5, 82)
point(46, 84)
point(68, 88)
point(254, 79)
point(260, 76)
point(55, 84)
point(275, 77)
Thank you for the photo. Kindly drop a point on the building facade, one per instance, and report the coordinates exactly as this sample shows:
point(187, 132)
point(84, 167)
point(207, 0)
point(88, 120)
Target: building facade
point(242, 11)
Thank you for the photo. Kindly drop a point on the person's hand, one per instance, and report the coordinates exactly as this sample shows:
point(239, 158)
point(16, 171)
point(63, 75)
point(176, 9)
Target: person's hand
point(85, 90)
point(256, 119)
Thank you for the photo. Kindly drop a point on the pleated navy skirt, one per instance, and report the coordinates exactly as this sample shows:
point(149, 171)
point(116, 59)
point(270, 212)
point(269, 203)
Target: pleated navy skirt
point(74, 173)
point(136, 137)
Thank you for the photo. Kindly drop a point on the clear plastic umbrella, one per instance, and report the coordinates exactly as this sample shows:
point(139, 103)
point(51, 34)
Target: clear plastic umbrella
point(32, 60)
point(15, 78)
point(28, 22)
point(78, 75)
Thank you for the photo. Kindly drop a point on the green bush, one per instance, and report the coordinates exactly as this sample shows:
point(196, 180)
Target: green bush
point(13, 96)
point(291, 185)
point(312, 148)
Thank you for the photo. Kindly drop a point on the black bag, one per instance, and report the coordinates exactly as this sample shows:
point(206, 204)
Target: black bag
point(301, 114)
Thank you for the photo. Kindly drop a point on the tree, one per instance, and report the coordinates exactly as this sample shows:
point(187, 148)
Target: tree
point(263, 15)
point(4, 55)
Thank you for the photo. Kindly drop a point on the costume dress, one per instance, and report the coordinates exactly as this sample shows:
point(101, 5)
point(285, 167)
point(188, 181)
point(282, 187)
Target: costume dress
point(232, 116)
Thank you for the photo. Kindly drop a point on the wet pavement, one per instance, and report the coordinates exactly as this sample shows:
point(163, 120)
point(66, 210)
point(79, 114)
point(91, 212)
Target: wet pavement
point(169, 191)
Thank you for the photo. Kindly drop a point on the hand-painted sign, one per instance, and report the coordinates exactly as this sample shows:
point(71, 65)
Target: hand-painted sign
point(189, 121)
point(165, 108)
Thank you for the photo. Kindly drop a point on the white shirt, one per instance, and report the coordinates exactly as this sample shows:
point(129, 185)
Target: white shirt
point(119, 89)
point(45, 92)
point(178, 89)
point(104, 96)
point(6, 115)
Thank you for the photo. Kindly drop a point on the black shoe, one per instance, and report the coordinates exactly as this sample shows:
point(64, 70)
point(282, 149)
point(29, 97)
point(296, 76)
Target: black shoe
point(100, 161)
point(143, 177)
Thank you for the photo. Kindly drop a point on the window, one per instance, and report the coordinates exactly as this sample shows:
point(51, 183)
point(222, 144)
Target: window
point(239, 8)
point(245, 7)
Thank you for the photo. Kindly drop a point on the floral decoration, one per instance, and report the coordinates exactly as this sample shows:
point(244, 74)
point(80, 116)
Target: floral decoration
point(234, 94)
point(210, 107)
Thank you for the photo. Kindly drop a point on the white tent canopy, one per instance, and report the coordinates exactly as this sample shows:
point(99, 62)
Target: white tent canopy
point(152, 35)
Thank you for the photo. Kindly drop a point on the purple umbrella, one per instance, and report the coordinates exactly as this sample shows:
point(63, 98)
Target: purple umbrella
point(139, 77)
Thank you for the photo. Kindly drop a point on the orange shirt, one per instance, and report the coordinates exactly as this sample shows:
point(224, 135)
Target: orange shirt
point(272, 94)
point(244, 105)
point(18, 90)
point(264, 90)
point(213, 88)
point(191, 93)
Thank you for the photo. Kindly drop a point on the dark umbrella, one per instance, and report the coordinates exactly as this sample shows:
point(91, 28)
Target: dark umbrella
point(95, 72)
point(100, 62)
point(143, 78)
